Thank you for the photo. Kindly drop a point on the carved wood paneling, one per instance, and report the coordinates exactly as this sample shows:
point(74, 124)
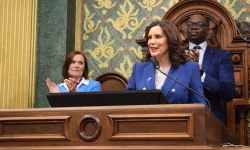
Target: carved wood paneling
point(90, 128)
point(224, 33)
point(224, 36)
point(126, 147)
point(34, 128)
point(108, 126)
point(142, 127)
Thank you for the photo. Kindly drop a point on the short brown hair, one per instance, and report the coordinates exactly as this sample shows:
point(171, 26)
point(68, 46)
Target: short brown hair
point(68, 61)
point(176, 53)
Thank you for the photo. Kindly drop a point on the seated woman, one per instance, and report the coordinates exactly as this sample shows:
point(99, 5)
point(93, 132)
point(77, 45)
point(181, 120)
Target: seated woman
point(163, 40)
point(75, 74)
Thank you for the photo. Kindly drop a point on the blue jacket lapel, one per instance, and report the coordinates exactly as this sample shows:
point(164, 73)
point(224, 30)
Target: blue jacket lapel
point(207, 58)
point(169, 83)
point(149, 71)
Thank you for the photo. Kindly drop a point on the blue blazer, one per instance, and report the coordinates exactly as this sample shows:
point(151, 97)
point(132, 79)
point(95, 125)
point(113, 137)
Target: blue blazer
point(219, 80)
point(143, 78)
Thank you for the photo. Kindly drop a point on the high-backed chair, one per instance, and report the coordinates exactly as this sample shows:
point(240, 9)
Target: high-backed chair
point(112, 82)
point(224, 33)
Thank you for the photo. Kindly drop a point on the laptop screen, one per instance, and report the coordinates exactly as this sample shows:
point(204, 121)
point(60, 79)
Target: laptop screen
point(106, 98)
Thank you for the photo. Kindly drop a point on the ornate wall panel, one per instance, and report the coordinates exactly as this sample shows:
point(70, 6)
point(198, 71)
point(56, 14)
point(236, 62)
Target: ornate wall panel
point(17, 53)
point(109, 28)
point(240, 9)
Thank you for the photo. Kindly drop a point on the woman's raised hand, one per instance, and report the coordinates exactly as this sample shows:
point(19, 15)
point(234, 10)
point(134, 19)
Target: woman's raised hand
point(52, 86)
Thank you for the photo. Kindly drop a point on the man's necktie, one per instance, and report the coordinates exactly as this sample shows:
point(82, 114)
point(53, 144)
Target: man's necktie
point(196, 51)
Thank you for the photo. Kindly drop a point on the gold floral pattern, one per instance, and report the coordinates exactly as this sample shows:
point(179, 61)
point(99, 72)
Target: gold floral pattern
point(230, 4)
point(127, 20)
point(125, 67)
point(104, 50)
point(110, 28)
point(88, 23)
point(149, 5)
point(104, 5)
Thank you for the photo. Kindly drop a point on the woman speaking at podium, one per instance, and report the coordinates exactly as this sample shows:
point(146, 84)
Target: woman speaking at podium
point(166, 68)
point(75, 74)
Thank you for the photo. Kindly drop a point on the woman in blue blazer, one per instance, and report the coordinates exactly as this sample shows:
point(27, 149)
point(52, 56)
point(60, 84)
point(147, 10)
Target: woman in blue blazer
point(75, 74)
point(163, 41)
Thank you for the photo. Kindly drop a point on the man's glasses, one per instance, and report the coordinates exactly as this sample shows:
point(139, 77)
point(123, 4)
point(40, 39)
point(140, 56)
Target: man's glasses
point(198, 24)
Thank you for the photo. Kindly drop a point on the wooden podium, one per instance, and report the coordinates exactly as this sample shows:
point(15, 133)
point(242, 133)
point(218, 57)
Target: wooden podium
point(154, 127)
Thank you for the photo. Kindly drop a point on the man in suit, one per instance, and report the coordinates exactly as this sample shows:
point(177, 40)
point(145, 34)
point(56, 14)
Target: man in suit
point(216, 67)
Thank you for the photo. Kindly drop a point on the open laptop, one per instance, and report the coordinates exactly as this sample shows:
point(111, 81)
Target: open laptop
point(106, 98)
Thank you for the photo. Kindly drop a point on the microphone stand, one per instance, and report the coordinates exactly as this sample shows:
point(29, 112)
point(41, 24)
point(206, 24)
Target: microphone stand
point(157, 67)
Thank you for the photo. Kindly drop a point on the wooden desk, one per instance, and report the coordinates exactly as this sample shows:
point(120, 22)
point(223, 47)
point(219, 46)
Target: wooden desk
point(189, 126)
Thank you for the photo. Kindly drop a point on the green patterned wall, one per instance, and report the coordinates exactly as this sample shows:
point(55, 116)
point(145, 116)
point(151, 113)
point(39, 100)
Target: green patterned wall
point(239, 9)
point(109, 29)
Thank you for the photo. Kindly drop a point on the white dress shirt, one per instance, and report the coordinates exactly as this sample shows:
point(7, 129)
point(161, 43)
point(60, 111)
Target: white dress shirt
point(82, 81)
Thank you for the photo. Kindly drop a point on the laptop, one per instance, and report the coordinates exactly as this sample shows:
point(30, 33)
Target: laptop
point(106, 98)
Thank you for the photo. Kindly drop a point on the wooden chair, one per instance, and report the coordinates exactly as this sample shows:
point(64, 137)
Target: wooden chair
point(112, 82)
point(224, 34)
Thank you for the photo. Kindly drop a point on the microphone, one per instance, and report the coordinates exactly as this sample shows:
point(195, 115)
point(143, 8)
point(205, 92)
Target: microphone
point(243, 37)
point(157, 67)
point(155, 63)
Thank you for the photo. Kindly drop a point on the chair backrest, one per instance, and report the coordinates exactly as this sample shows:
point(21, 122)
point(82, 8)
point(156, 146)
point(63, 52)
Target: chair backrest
point(112, 82)
point(223, 34)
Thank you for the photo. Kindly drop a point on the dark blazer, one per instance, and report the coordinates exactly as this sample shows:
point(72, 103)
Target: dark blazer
point(219, 80)
point(143, 78)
